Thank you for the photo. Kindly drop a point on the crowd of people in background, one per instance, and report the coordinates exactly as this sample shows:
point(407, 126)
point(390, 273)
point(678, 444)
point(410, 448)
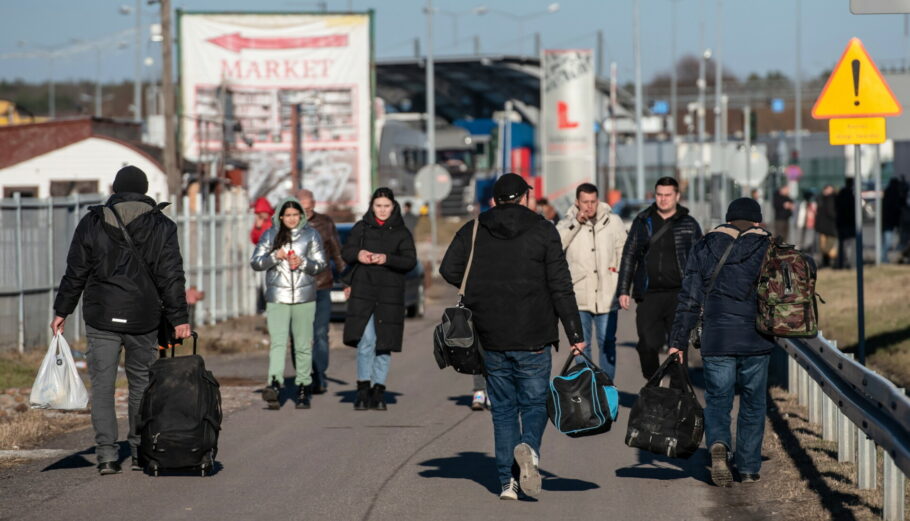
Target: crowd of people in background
point(831, 214)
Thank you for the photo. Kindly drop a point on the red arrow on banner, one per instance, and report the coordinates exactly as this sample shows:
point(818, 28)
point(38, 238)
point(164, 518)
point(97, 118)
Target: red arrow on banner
point(236, 43)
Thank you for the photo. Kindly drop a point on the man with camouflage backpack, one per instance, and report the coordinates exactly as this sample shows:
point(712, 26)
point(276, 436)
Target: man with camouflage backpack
point(734, 353)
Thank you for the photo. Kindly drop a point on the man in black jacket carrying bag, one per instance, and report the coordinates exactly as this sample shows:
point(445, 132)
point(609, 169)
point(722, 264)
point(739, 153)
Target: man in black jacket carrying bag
point(121, 303)
point(518, 285)
point(652, 267)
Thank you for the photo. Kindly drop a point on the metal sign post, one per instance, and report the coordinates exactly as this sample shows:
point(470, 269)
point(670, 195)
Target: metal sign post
point(860, 300)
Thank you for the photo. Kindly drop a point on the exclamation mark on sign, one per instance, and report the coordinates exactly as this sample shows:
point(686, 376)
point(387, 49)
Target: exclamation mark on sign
point(855, 64)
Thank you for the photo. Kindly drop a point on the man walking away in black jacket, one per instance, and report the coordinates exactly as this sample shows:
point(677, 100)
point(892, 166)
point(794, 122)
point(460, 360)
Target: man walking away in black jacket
point(735, 355)
point(783, 211)
point(826, 225)
point(892, 204)
point(120, 302)
point(845, 205)
point(651, 272)
point(519, 283)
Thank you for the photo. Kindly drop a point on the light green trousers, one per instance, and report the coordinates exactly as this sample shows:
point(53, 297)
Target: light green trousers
point(296, 320)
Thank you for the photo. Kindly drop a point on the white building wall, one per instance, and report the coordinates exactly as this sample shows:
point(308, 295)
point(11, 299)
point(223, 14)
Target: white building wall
point(92, 159)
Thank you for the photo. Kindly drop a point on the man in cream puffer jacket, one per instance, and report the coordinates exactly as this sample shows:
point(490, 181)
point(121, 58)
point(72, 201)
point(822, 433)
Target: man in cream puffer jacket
point(593, 238)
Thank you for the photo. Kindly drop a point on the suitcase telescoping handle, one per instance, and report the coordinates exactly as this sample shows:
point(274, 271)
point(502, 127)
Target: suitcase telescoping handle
point(174, 349)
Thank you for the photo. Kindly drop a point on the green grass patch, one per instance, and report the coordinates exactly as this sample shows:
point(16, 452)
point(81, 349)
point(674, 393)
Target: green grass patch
point(18, 370)
point(887, 316)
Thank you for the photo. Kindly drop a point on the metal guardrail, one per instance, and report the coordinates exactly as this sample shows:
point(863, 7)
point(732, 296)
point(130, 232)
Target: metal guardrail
point(857, 408)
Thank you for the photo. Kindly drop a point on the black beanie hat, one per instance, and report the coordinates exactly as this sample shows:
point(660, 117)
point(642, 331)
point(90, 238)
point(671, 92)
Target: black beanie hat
point(130, 179)
point(744, 209)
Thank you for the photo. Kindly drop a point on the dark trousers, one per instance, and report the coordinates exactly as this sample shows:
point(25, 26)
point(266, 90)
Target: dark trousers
point(103, 356)
point(653, 319)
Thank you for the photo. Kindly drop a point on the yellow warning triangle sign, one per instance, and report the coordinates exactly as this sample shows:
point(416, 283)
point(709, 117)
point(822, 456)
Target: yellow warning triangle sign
point(856, 89)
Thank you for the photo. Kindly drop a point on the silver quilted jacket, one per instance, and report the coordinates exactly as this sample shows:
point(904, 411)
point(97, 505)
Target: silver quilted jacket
point(282, 285)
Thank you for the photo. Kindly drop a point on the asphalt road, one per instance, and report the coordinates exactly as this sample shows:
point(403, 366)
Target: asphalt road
point(429, 457)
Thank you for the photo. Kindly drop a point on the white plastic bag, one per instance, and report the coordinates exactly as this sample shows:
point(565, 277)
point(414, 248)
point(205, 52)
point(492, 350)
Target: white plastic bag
point(58, 385)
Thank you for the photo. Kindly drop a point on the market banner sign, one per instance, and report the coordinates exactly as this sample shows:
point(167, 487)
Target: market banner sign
point(243, 74)
point(567, 137)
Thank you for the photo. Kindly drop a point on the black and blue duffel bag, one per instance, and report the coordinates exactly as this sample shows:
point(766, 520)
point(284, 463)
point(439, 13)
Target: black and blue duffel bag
point(582, 400)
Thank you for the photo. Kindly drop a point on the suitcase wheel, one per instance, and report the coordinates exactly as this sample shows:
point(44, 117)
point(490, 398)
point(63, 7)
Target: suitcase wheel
point(208, 465)
point(152, 469)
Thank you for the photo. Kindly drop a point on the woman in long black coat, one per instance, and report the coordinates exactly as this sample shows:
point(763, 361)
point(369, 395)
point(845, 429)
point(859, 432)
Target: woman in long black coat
point(381, 250)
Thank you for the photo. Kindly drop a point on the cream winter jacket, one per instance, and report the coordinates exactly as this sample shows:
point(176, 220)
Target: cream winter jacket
point(593, 251)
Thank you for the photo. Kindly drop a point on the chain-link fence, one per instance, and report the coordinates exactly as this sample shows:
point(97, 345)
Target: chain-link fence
point(35, 235)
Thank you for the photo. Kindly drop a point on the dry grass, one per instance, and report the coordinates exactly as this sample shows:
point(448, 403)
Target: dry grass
point(238, 335)
point(29, 429)
point(808, 482)
point(887, 316)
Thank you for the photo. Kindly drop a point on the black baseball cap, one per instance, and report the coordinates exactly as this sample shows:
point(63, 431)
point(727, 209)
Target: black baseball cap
point(510, 187)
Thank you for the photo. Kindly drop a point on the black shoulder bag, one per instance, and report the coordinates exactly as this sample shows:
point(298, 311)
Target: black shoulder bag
point(455, 341)
point(166, 338)
point(695, 334)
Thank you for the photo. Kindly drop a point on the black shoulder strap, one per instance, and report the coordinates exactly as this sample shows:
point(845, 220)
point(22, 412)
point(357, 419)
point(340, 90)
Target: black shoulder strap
point(720, 265)
point(668, 224)
point(129, 241)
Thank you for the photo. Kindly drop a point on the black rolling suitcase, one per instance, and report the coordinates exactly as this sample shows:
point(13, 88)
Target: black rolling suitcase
point(180, 416)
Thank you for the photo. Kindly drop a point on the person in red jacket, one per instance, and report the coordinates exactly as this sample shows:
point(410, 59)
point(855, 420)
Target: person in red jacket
point(264, 212)
point(263, 222)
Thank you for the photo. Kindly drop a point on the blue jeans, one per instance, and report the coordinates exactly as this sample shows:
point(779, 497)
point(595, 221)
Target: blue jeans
point(371, 366)
point(321, 335)
point(887, 242)
point(723, 375)
point(517, 383)
point(605, 332)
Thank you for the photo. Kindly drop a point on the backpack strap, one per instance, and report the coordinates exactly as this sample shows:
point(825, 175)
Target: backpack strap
point(720, 265)
point(132, 246)
point(467, 270)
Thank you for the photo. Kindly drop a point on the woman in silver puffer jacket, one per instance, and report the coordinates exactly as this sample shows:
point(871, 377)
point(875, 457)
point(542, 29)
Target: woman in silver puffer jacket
point(291, 254)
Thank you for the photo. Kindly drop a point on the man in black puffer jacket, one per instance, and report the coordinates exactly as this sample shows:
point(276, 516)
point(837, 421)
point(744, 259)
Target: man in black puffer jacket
point(519, 283)
point(120, 302)
point(734, 354)
point(651, 270)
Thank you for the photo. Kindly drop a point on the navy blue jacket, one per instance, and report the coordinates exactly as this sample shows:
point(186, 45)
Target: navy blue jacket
point(729, 319)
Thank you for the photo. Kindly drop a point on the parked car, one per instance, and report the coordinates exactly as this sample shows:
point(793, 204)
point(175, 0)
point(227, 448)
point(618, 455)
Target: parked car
point(413, 285)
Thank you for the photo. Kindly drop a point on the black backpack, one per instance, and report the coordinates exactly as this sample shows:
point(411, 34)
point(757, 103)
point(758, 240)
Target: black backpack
point(582, 401)
point(180, 416)
point(455, 341)
point(667, 420)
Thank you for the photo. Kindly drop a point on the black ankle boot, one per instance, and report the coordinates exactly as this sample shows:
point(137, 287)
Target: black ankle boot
point(270, 395)
point(377, 398)
point(304, 393)
point(361, 402)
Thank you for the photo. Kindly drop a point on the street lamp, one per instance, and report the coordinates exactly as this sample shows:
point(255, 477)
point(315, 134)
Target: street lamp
point(137, 80)
point(520, 18)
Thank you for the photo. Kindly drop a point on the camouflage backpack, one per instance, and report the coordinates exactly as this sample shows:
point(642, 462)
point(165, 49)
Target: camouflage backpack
point(787, 305)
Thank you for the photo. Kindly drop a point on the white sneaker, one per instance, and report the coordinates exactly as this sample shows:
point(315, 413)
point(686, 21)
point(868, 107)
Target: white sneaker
point(480, 400)
point(509, 490)
point(529, 475)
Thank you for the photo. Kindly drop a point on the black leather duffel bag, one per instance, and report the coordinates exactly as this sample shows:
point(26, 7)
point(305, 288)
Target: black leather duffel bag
point(667, 420)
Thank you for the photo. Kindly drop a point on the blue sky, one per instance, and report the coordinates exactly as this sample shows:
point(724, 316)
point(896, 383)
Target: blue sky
point(758, 35)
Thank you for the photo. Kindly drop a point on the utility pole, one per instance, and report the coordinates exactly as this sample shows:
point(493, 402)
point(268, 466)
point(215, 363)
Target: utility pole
point(718, 116)
point(639, 135)
point(431, 128)
point(167, 79)
point(52, 98)
point(137, 81)
point(747, 134)
point(673, 78)
point(97, 81)
point(799, 84)
point(613, 108)
point(600, 53)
